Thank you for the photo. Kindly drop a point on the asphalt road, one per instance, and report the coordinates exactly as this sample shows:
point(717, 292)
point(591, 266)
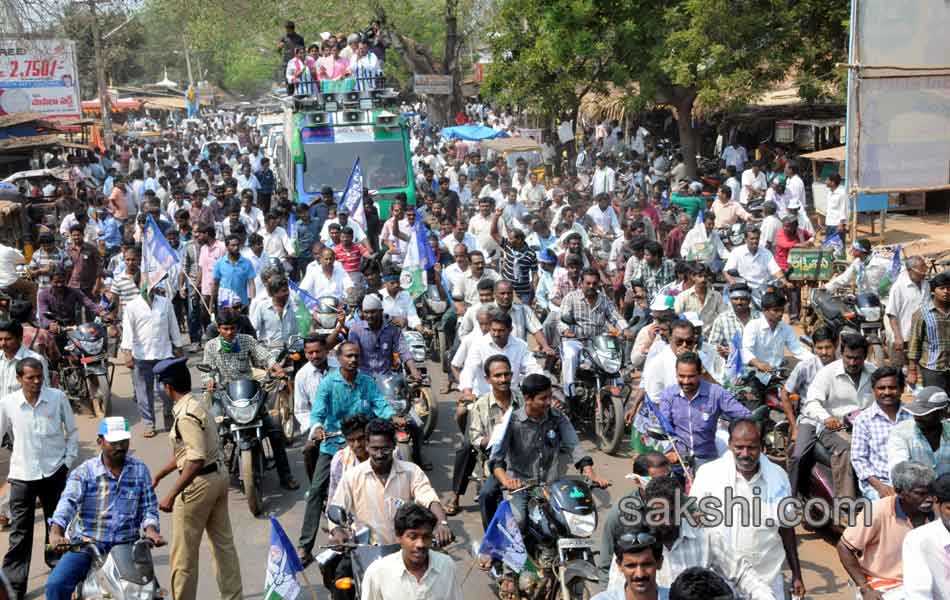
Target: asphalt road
point(824, 577)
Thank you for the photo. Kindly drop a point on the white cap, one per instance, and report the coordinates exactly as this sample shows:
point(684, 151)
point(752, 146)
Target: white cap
point(662, 302)
point(114, 429)
point(693, 317)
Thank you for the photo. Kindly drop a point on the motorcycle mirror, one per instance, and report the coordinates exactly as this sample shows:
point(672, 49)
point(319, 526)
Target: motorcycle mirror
point(807, 341)
point(337, 515)
point(658, 434)
point(204, 368)
point(49, 315)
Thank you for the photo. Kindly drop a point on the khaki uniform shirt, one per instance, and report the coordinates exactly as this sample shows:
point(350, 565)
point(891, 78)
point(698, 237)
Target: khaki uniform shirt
point(193, 435)
point(485, 416)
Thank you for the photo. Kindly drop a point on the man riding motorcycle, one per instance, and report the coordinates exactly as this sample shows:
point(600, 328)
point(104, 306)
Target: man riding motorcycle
point(233, 355)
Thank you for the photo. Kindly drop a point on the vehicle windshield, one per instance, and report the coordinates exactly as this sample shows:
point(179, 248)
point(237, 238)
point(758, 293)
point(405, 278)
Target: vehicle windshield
point(383, 163)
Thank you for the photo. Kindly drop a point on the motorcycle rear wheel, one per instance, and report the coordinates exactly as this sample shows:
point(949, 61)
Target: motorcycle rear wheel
point(577, 589)
point(609, 425)
point(101, 401)
point(251, 476)
point(285, 413)
point(431, 408)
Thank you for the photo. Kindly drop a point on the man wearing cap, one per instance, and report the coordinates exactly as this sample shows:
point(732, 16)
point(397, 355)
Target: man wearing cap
point(45, 445)
point(926, 437)
point(928, 353)
point(872, 428)
point(924, 552)
point(865, 272)
point(198, 500)
point(113, 498)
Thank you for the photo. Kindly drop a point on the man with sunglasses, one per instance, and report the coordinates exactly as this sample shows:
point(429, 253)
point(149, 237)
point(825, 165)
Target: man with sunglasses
point(638, 557)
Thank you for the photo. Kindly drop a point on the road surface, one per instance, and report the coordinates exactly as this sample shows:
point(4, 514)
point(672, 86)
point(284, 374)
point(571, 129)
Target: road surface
point(824, 576)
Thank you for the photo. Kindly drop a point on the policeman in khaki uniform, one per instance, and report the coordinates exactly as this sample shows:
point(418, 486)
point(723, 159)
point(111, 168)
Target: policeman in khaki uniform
point(198, 500)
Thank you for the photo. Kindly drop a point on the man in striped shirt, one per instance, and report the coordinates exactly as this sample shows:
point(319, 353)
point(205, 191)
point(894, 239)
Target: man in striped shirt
point(349, 254)
point(928, 352)
point(519, 263)
point(127, 286)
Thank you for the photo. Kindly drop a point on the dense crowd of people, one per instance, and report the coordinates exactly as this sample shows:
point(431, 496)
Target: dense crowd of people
point(529, 264)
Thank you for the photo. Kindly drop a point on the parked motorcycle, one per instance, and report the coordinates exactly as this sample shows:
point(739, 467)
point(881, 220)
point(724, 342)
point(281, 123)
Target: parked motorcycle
point(596, 400)
point(239, 410)
point(84, 360)
point(126, 572)
point(861, 314)
point(560, 521)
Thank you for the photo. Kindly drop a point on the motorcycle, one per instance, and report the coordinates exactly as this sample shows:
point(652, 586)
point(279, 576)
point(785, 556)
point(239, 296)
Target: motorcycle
point(290, 358)
point(421, 399)
point(84, 359)
point(860, 314)
point(597, 400)
point(431, 307)
point(239, 410)
point(768, 409)
point(820, 482)
point(561, 518)
point(126, 572)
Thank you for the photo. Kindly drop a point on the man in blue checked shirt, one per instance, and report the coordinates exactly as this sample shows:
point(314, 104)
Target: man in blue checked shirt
point(111, 497)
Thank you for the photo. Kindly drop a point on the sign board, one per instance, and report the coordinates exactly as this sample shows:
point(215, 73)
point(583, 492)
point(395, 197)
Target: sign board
point(811, 264)
point(899, 99)
point(534, 134)
point(784, 132)
point(39, 75)
point(434, 85)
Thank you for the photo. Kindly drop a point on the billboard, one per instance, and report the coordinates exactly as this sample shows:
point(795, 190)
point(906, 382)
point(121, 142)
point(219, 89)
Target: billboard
point(434, 85)
point(899, 96)
point(39, 75)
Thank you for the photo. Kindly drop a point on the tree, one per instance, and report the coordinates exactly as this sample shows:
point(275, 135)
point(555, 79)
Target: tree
point(121, 51)
point(549, 55)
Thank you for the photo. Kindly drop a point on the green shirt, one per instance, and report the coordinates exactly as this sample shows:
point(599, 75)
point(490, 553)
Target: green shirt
point(691, 204)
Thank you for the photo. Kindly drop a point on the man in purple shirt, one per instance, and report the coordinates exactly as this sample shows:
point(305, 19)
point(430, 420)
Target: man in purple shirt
point(60, 303)
point(693, 409)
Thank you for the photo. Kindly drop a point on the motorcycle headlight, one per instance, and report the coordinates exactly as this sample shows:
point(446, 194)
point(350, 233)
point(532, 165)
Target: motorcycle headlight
point(582, 526)
point(870, 313)
point(243, 415)
point(610, 362)
point(327, 321)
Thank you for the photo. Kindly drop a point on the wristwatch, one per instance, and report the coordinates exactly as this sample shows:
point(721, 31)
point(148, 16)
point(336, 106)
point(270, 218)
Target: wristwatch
point(444, 522)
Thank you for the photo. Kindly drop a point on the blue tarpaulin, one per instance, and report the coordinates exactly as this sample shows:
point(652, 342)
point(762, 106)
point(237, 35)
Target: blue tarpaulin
point(472, 133)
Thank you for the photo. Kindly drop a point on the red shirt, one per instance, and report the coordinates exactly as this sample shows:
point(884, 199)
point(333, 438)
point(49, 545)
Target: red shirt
point(350, 259)
point(783, 244)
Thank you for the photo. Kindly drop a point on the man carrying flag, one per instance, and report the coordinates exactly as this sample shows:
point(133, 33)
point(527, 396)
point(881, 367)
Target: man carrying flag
point(419, 258)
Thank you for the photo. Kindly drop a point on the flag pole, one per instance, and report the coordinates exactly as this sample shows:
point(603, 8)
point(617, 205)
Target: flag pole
point(313, 593)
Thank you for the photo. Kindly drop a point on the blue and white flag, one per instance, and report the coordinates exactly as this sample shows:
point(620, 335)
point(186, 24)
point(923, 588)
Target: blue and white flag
point(419, 258)
point(158, 256)
point(352, 198)
point(280, 580)
point(302, 296)
point(734, 370)
point(896, 264)
point(503, 539)
point(835, 242)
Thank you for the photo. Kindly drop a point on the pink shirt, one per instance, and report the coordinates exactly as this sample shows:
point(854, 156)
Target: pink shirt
point(206, 259)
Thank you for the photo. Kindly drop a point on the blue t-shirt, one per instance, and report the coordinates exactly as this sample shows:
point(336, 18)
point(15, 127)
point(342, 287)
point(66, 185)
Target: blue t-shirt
point(234, 276)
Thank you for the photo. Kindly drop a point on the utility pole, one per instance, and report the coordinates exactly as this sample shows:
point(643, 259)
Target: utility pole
point(191, 79)
point(104, 103)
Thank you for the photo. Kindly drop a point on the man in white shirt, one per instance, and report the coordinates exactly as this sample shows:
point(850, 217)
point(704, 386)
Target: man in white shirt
point(459, 235)
point(150, 334)
point(416, 571)
point(839, 389)
point(532, 193)
point(908, 295)
point(247, 181)
point(836, 208)
point(736, 156)
point(251, 216)
point(40, 421)
point(273, 316)
point(794, 186)
point(277, 244)
point(398, 305)
point(343, 220)
point(754, 264)
point(753, 183)
point(254, 252)
point(306, 381)
point(746, 474)
point(12, 351)
point(326, 277)
point(770, 226)
point(924, 555)
point(480, 227)
point(766, 338)
point(733, 182)
point(498, 341)
point(603, 217)
point(604, 179)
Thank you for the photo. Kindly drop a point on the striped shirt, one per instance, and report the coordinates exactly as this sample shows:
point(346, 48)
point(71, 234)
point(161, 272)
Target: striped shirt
point(872, 428)
point(110, 510)
point(125, 288)
point(517, 266)
point(929, 344)
point(350, 258)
